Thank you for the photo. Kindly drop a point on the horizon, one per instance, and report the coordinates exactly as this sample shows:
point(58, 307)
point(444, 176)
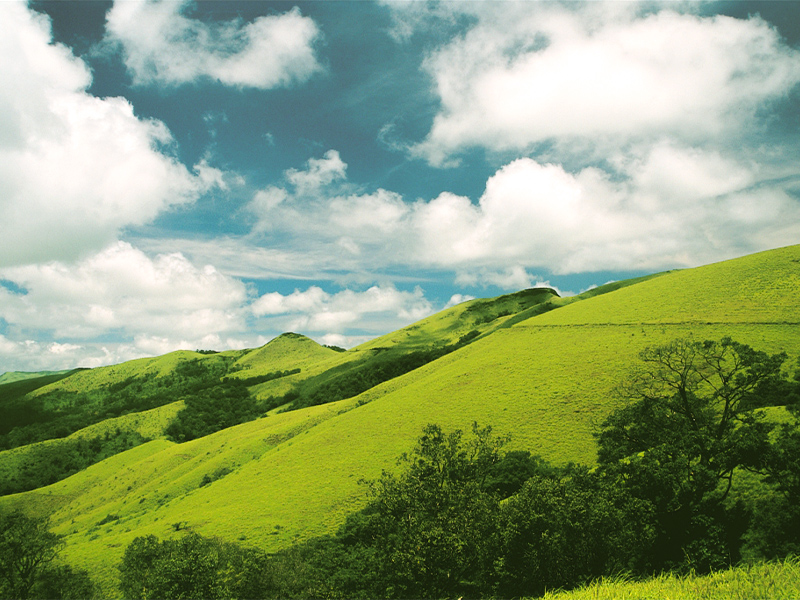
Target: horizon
point(210, 175)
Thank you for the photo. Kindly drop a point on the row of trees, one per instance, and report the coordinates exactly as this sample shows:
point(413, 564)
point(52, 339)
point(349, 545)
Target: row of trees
point(44, 464)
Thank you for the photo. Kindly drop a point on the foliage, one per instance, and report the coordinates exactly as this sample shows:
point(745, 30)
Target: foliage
point(687, 427)
point(213, 409)
point(432, 527)
point(27, 551)
point(461, 518)
point(546, 379)
point(209, 478)
point(189, 567)
point(58, 413)
point(63, 582)
point(507, 475)
point(775, 530)
point(44, 464)
point(562, 532)
point(351, 380)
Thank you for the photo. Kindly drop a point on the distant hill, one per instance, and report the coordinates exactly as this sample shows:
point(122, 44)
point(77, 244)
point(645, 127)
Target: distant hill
point(531, 364)
point(12, 376)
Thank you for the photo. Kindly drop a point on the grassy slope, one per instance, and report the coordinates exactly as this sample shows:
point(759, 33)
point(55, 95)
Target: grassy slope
point(546, 380)
point(150, 424)
point(160, 366)
point(767, 581)
point(12, 376)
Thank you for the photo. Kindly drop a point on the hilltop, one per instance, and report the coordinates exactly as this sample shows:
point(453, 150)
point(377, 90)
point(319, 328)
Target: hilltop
point(531, 364)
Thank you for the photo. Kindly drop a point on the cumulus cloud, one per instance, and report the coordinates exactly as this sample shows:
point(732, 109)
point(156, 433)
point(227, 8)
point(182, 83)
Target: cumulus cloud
point(319, 172)
point(671, 205)
point(457, 299)
point(529, 73)
point(74, 169)
point(123, 290)
point(512, 278)
point(162, 45)
point(315, 310)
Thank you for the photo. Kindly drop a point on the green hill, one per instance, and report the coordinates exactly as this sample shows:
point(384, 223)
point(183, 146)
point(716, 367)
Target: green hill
point(12, 376)
point(542, 371)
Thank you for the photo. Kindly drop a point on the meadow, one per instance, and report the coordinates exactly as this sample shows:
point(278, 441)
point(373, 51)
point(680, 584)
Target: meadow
point(763, 581)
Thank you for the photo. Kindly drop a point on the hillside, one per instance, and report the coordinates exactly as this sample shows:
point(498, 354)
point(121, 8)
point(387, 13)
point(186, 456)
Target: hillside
point(12, 376)
point(543, 372)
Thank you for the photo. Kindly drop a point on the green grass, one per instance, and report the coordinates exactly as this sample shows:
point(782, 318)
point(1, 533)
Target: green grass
point(547, 380)
point(13, 376)
point(759, 288)
point(149, 424)
point(766, 581)
point(448, 326)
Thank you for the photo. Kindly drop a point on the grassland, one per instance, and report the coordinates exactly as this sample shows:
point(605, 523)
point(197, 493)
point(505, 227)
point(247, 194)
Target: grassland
point(13, 376)
point(766, 581)
point(547, 379)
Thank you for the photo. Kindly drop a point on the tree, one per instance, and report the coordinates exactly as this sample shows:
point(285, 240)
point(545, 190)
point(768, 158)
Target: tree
point(562, 531)
point(63, 582)
point(687, 424)
point(433, 525)
point(27, 547)
point(776, 525)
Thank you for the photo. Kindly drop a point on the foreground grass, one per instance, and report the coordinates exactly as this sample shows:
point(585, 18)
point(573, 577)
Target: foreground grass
point(774, 581)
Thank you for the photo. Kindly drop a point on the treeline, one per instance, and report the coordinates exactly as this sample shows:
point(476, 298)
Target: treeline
point(213, 409)
point(257, 379)
point(220, 404)
point(57, 414)
point(353, 380)
point(465, 518)
point(48, 463)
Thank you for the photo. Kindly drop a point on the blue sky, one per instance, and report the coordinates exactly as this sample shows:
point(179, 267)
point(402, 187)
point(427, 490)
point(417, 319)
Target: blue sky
point(210, 174)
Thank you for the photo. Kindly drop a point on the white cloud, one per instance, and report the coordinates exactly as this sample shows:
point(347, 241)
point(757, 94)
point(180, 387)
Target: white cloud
point(121, 289)
point(512, 278)
point(319, 172)
point(528, 73)
point(315, 310)
point(74, 169)
point(670, 206)
point(162, 45)
point(457, 299)
point(542, 216)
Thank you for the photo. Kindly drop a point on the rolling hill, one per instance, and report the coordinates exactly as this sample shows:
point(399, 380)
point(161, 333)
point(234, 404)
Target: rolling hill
point(537, 366)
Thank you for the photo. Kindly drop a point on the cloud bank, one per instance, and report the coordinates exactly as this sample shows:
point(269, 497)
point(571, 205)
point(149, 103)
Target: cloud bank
point(527, 74)
point(673, 206)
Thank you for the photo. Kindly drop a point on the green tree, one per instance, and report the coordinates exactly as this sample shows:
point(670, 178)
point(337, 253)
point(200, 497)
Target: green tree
point(775, 532)
point(191, 567)
point(27, 547)
point(63, 582)
point(432, 526)
point(686, 426)
point(562, 531)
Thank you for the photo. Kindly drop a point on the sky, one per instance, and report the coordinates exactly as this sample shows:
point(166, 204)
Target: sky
point(208, 175)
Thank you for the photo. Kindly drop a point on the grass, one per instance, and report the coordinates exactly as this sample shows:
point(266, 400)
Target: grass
point(14, 376)
point(149, 424)
point(765, 581)
point(547, 380)
point(759, 288)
